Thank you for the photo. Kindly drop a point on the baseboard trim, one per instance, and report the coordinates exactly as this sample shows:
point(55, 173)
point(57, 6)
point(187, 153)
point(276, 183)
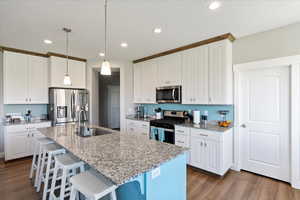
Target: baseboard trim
point(1, 154)
point(295, 184)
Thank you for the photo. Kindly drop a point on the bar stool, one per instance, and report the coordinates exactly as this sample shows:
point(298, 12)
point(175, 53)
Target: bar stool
point(67, 165)
point(37, 154)
point(47, 166)
point(92, 185)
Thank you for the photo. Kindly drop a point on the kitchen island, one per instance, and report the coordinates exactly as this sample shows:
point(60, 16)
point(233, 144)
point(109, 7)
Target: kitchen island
point(158, 168)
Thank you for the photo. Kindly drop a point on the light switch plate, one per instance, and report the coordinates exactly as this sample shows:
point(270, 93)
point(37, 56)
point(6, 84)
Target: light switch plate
point(155, 173)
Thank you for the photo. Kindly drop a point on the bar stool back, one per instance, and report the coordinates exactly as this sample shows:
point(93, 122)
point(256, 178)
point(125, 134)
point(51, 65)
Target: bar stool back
point(68, 166)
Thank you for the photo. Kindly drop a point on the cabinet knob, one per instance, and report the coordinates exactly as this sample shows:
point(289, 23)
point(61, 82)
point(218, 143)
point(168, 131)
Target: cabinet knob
point(205, 144)
point(201, 144)
point(243, 126)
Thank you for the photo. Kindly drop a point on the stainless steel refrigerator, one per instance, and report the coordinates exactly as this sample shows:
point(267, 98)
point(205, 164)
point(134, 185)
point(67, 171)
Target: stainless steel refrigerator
point(66, 104)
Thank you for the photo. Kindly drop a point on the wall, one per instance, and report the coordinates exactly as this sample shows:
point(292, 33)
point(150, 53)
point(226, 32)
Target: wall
point(93, 88)
point(1, 104)
point(36, 110)
point(274, 43)
point(212, 109)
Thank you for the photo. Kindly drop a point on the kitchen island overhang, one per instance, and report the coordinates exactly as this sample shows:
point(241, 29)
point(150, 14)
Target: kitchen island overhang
point(158, 168)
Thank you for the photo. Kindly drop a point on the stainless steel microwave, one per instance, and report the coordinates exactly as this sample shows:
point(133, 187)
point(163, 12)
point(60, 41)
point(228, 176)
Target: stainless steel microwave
point(169, 94)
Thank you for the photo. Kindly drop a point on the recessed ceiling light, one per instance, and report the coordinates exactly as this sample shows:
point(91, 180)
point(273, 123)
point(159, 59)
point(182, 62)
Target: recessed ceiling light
point(101, 54)
point(157, 30)
point(214, 5)
point(124, 44)
point(48, 41)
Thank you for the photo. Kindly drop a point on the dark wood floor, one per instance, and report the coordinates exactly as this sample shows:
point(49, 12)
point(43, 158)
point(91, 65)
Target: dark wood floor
point(15, 185)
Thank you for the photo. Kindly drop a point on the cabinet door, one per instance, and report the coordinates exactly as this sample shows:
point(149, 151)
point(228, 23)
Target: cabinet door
point(195, 76)
point(212, 151)
point(58, 67)
point(16, 145)
point(15, 78)
point(149, 77)
point(198, 156)
point(37, 80)
point(169, 70)
point(77, 71)
point(220, 73)
point(138, 82)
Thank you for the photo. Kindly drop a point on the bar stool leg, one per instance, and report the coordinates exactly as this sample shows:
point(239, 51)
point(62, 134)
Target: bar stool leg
point(53, 183)
point(33, 161)
point(63, 184)
point(74, 194)
point(38, 166)
point(47, 176)
point(113, 195)
point(41, 171)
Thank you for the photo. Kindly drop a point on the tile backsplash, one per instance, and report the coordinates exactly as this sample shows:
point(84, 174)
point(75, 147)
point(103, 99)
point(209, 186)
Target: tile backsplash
point(36, 109)
point(212, 109)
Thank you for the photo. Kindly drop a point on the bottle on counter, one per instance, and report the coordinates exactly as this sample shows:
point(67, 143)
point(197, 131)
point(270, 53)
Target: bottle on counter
point(204, 118)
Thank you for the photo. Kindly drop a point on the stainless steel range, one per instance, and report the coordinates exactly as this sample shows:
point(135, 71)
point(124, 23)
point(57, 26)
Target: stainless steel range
point(170, 119)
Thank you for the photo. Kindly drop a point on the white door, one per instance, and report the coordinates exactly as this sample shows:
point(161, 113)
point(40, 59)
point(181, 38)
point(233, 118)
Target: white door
point(264, 126)
point(212, 152)
point(198, 157)
point(17, 145)
point(149, 77)
point(15, 78)
point(138, 82)
point(37, 80)
point(114, 106)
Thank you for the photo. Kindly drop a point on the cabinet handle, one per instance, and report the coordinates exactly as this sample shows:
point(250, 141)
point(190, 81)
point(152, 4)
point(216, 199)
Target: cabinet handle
point(201, 144)
point(32, 134)
point(179, 131)
point(29, 99)
point(203, 135)
point(26, 99)
point(209, 99)
point(180, 142)
point(205, 144)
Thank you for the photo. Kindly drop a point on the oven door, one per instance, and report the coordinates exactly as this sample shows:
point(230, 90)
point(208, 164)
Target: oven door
point(168, 94)
point(169, 136)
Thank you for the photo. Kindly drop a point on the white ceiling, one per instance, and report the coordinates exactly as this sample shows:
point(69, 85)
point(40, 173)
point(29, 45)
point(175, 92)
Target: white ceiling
point(26, 23)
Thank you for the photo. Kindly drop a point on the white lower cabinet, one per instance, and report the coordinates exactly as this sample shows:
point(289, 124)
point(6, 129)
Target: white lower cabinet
point(209, 150)
point(19, 139)
point(140, 127)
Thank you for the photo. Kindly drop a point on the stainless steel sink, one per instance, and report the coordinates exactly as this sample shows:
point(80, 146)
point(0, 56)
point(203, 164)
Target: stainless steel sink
point(88, 132)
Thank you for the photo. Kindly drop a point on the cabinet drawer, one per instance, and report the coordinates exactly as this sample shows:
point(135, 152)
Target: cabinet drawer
point(39, 125)
point(206, 134)
point(16, 128)
point(181, 140)
point(182, 130)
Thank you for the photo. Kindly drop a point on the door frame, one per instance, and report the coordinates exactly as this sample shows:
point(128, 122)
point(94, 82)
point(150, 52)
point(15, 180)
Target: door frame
point(293, 62)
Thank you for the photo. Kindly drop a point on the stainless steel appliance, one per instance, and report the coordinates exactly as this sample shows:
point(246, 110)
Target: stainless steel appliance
point(170, 119)
point(169, 94)
point(67, 105)
point(139, 110)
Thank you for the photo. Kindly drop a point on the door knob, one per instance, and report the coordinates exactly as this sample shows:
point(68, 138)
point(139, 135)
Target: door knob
point(243, 126)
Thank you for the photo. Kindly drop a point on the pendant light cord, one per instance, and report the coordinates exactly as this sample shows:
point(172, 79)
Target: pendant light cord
point(105, 28)
point(67, 51)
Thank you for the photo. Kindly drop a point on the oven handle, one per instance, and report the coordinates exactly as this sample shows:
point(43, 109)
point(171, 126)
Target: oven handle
point(173, 94)
point(169, 130)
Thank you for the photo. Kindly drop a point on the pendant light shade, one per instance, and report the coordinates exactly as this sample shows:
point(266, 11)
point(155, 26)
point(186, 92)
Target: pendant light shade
point(67, 78)
point(105, 67)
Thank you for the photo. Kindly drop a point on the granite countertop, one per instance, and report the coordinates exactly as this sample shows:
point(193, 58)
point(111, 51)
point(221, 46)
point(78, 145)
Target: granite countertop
point(209, 126)
point(23, 122)
point(118, 156)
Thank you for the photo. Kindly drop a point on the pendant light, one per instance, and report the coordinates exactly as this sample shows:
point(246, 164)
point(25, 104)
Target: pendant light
point(105, 67)
point(67, 79)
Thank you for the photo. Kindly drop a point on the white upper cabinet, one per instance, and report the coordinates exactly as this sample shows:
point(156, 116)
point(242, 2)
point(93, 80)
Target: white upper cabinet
point(77, 72)
point(169, 70)
point(145, 74)
point(25, 79)
point(37, 80)
point(195, 76)
point(220, 73)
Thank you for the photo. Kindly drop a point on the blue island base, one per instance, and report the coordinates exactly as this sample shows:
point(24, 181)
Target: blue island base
point(167, 182)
